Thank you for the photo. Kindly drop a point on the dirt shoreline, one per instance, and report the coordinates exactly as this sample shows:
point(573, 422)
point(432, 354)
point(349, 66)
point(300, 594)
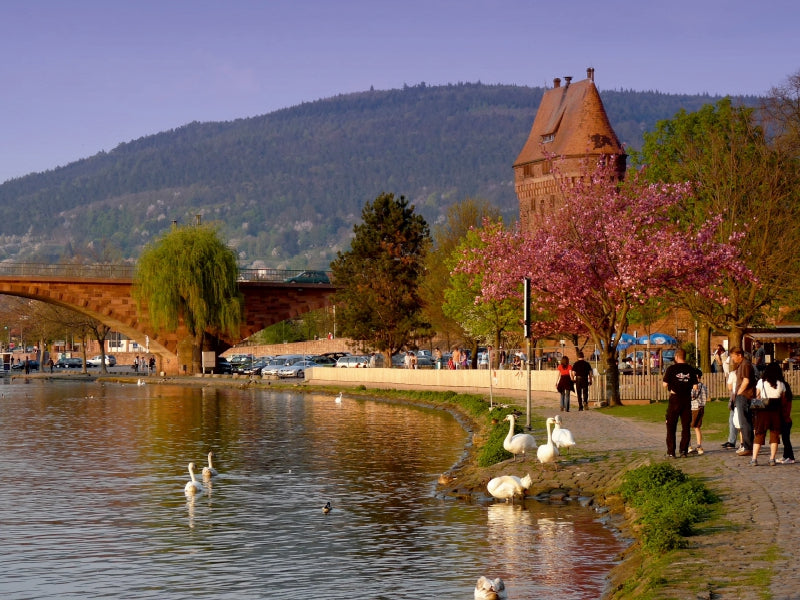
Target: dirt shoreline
point(747, 551)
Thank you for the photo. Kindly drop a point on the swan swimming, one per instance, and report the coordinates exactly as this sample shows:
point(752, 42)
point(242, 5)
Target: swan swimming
point(192, 487)
point(140, 382)
point(490, 589)
point(562, 438)
point(327, 508)
point(209, 471)
point(548, 453)
point(339, 398)
point(519, 443)
point(509, 487)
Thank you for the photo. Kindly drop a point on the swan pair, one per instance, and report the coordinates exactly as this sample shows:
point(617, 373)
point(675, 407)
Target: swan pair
point(509, 487)
point(490, 589)
point(193, 487)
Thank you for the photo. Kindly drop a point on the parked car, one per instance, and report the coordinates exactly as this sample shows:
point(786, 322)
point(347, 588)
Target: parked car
point(297, 369)
point(33, 365)
point(69, 363)
point(223, 367)
point(111, 360)
point(324, 361)
point(353, 361)
point(256, 366)
point(309, 277)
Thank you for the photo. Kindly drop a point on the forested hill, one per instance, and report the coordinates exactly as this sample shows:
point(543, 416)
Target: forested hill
point(287, 187)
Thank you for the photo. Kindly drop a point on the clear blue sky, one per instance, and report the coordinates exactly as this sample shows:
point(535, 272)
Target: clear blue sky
point(80, 76)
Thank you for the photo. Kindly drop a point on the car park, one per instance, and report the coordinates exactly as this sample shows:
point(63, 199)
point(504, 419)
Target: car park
point(111, 360)
point(353, 361)
point(69, 363)
point(309, 277)
point(297, 369)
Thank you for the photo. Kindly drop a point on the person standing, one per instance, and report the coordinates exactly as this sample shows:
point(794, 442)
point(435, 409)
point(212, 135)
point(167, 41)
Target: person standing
point(501, 360)
point(582, 376)
point(437, 357)
point(733, 431)
point(564, 382)
point(745, 391)
point(680, 379)
point(786, 425)
point(771, 389)
point(759, 358)
point(717, 359)
point(699, 399)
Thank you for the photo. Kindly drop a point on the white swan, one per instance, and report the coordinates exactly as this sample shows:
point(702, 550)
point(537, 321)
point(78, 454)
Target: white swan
point(209, 471)
point(548, 453)
point(520, 443)
point(192, 487)
point(140, 382)
point(339, 398)
point(509, 487)
point(327, 508)
point(490, 589)
point(562, 438)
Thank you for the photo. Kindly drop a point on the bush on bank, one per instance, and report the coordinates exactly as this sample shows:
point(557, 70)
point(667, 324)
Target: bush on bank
point(668, 503)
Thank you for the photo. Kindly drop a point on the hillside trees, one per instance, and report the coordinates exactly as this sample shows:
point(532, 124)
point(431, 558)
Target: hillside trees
point(189, 275)
point(607, 248)
point(378, 301)
point(753, 184)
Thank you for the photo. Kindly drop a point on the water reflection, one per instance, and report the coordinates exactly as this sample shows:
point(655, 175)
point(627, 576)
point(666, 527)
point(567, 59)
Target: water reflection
point(94, 501)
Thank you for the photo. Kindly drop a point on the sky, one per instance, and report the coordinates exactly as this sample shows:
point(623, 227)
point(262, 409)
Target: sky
point(82, 76)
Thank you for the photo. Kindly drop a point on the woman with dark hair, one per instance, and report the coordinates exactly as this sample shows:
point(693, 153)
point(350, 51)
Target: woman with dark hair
point(564, 382)
point(771, 390)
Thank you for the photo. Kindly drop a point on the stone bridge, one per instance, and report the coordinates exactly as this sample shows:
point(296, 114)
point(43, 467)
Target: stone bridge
point(103, 292)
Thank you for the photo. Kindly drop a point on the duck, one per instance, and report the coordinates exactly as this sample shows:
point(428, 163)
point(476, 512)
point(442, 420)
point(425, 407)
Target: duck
point(509, 487)
point(192, 487)
point(562, 438)
point(548, 453)
point(490, 589)
point(209, 471)
point(327, 508)
point(519, 443)
point(339, 398)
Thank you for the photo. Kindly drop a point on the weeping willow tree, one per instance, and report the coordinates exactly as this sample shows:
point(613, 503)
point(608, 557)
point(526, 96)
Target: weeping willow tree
point(189, 275)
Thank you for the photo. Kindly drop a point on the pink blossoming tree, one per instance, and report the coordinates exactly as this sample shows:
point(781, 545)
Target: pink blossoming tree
point(610, 246)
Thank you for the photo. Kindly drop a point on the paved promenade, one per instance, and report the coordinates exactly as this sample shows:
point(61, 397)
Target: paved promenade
point(753, 551)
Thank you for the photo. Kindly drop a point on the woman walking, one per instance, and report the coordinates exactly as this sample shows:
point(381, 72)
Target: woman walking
point(564, 382)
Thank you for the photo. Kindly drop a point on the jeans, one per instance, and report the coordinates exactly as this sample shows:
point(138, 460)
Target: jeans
point(679, 409)
point(788, 451)
point(565, 400)
point(745, 421)
point(582, 391)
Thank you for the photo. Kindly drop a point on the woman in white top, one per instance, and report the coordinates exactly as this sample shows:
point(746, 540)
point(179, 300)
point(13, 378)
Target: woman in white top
point(770, 388)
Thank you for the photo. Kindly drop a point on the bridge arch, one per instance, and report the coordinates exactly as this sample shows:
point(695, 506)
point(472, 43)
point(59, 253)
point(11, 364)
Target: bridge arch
point(103, 292)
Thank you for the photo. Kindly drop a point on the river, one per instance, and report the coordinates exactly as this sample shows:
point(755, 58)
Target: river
point(93, 505)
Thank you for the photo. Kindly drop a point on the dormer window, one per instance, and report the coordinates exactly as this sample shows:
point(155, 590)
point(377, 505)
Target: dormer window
point(548, 138)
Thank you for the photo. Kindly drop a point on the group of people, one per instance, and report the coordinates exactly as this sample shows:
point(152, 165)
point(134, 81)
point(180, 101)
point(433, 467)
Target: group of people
point(760, 403)
point(143, 364)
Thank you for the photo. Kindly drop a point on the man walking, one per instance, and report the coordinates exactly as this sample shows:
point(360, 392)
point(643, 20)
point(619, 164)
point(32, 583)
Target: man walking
point(680, 379)
point(582, 375)
point(745, 391)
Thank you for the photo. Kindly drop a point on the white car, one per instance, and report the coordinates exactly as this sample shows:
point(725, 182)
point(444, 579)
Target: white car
point(297, 369)
point(353, 361)
point(95, 361)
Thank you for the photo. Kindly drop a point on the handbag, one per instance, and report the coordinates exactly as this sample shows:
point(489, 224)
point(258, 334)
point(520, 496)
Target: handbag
point(758, 403)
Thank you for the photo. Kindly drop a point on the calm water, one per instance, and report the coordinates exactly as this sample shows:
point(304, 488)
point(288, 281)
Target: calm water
point(92, 502)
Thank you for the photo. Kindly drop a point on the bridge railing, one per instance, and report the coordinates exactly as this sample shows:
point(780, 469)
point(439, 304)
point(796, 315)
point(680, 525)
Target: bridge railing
point(110, 271)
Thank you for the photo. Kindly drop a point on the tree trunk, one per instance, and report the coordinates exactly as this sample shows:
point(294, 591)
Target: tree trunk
point(612, 377)
point(704, 347)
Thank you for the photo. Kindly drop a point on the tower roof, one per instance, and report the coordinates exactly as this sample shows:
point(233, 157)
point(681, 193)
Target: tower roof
point(571, 121)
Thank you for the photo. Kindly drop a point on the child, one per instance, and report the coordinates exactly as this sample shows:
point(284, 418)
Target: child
point(699, 398)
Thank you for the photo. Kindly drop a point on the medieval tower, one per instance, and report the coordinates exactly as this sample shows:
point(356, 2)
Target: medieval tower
point(571, 126)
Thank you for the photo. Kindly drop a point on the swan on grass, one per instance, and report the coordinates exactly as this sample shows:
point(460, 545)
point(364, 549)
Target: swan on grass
point(562, 438)
point(519, 443)
point(548, 453)
point(193, 487)
point(209, 471)
point(509, 487)
point(490, 589)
